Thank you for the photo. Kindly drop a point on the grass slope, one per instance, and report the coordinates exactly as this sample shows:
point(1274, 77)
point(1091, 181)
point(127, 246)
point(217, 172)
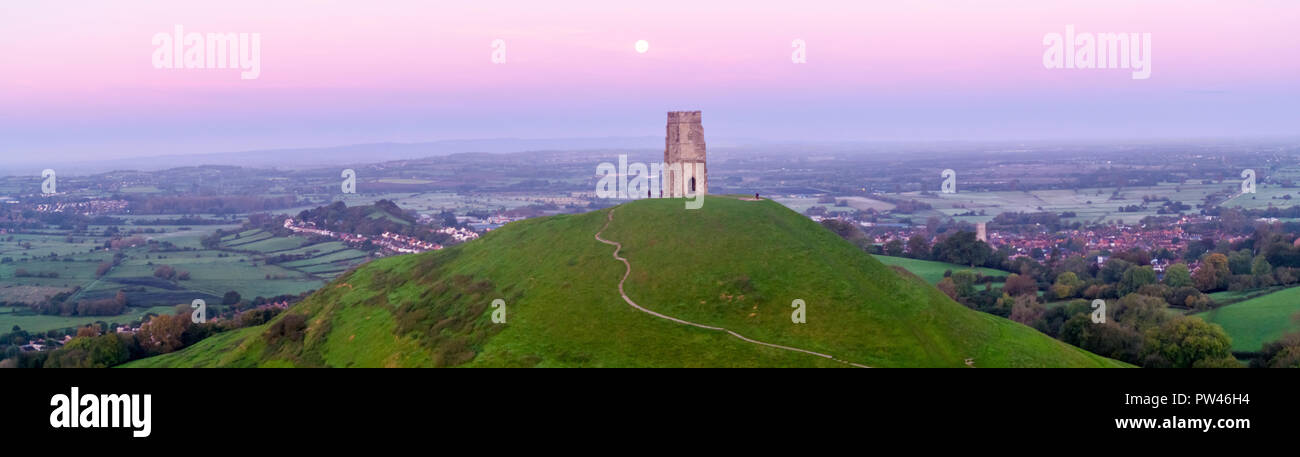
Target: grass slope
point(1256, 321)
point(735, 264)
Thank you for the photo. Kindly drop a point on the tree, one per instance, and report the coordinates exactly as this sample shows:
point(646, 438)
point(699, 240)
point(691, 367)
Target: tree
point(1184, 342)
point(949, 288)
point(164, 333)
point(1213, 274)
point(1188, 296)
point(1141, 312)
point(1113, 270)
point(963, 248)
point(1017, 285)
point(964, 283)
point(1134, 278)
point(1177, 275)
point(91, 352)
point(1239, 262)
point(1261, 267)
point(1283, 353)
point(1077, 264)
point(165, 272)
point(1107, 340)
point(918, 247)
point(1067, 285)
point(231, 298)
point(1027, 310)
point(894, 248)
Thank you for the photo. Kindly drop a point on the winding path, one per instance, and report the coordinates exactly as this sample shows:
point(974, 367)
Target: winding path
point(619, 246)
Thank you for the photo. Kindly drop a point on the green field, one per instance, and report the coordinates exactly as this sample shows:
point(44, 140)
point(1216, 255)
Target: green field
point(1092, 205)
point(22, 317)
point(801, 204)
point(240, 266)
point(931, 271)
point(734, 264)
point(1227, 297)
point(1253, 322)
point(1265, 195)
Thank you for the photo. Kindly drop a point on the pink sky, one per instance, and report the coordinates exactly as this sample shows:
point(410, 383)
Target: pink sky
point(77, 78)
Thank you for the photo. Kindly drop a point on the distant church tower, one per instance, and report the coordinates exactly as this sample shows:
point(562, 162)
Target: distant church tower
point(684, 150)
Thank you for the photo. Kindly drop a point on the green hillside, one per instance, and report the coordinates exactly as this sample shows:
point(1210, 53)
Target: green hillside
point(1256, 321)
point(733, 264)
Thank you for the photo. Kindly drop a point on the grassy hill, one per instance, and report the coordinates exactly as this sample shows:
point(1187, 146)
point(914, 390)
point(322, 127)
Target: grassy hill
point(733, 264)
point(1256, 321)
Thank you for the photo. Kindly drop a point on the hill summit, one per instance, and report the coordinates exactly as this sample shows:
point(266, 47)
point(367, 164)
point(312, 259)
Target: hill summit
point(707, 287)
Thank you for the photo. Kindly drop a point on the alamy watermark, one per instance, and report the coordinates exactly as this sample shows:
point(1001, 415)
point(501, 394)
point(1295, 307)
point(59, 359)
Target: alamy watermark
point(200, 314)
point(349, 184)
point(1248, 181)
point(1098, 51)
point(180, 50)
point(498, 311)
point(1099, 311)
point(949, 184)
point(638, 180)
point(498, 51)
point(49, 184)
point(75, 410)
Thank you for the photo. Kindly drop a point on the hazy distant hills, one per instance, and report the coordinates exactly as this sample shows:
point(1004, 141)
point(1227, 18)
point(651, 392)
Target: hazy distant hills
point(732, 265)
point(308, 158)
point(301, 158)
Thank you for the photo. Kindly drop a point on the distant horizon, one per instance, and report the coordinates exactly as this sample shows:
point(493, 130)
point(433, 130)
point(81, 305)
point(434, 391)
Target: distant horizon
point(95, 166)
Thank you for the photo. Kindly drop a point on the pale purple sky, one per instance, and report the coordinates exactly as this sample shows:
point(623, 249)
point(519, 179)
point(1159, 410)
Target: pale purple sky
point(77, 81)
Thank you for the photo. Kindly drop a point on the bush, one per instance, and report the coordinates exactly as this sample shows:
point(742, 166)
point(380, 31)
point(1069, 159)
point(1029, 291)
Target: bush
point(1186, 342)
point(290, 328)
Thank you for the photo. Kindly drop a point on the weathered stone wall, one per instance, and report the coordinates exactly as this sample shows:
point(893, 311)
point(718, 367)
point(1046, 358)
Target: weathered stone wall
point(683, 150)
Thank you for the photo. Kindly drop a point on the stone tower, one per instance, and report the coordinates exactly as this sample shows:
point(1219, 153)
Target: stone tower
point(684, 151)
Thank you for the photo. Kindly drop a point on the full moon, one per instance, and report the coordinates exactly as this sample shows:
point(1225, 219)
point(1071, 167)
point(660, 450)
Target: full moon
point(642, 46)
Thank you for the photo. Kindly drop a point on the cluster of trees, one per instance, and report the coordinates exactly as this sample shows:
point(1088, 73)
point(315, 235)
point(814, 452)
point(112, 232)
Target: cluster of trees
point(1283, 353)
point(60, 305)
point(1140, 330)
point(361, 220)
point(962, 286)
point(23, 273)
point(372, 220)
point(98, 346)
point(1118, 278)
point(169, 273)
point(910, 206)
point(959, 247)
point(127, 242)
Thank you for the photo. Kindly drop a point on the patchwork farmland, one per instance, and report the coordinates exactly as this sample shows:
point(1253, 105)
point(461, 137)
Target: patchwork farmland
point(253, 263)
